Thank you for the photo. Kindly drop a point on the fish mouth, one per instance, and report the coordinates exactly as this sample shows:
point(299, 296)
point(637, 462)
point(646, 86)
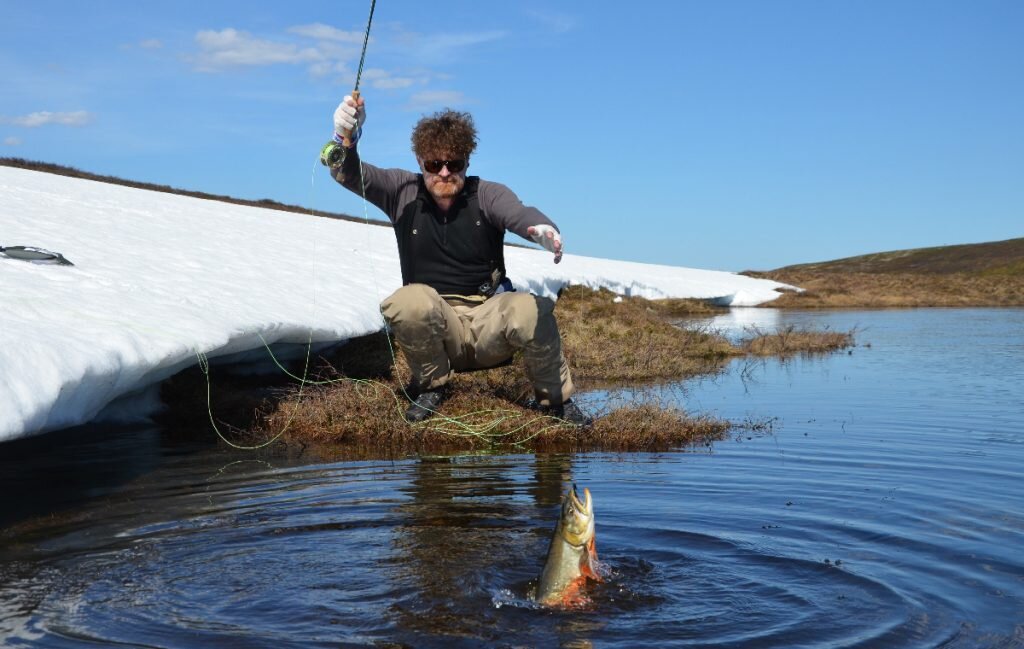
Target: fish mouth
point(586, 505)
point(578, 518)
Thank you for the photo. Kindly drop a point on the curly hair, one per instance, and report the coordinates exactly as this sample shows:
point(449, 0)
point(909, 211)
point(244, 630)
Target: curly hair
point(447, 132)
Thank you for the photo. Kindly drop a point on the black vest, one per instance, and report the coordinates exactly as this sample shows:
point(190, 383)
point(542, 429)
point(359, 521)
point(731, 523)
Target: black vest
point(454, 252)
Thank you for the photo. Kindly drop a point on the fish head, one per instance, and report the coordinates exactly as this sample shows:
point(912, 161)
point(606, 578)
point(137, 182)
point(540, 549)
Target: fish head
point(572, 556)
point(578, 518)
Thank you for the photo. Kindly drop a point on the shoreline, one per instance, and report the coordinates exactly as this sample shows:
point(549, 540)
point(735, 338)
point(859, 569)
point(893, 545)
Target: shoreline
point(353, 406)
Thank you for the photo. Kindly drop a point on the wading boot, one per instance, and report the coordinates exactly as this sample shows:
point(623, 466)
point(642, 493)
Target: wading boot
point(568, 412)
point(425, 404)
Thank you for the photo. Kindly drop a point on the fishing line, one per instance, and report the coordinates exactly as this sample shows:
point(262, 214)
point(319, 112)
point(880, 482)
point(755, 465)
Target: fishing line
point(461, 428)
point(366, 219)
point(456, 426)
point(303, 380)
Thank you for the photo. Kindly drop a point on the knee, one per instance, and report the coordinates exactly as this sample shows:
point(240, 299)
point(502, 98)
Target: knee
point(526, 313)
point(412, 302)
point(545, 306)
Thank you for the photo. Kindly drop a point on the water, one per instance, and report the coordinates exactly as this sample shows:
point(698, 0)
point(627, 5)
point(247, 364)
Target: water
point(882, 506)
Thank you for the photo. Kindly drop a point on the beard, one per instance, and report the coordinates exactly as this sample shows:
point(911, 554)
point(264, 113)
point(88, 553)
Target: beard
point(446, 188)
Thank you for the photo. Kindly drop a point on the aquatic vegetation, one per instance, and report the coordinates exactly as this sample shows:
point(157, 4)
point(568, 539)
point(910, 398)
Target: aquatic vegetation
point(791, 339)
point(351, 402)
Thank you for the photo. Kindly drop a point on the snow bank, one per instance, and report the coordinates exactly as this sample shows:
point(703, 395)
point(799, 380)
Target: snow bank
point(159, 278)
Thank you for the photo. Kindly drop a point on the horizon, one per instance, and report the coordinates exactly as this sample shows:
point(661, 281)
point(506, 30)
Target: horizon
point(378, 220)
point(747, 136)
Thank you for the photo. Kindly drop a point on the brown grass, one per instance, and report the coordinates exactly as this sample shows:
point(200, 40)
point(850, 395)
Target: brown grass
point(977, 274)
point(360, 415)
point(790, 340)
point(992, 257)
point(882, 290)
point(353, 404)
point(631, 340)
point(366, 420)
point(680, 307)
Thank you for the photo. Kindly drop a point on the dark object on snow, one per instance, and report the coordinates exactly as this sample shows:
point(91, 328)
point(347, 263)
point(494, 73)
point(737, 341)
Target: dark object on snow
point(35, 255)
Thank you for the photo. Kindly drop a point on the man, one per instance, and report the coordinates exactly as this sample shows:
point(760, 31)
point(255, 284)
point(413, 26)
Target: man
point(456, 309)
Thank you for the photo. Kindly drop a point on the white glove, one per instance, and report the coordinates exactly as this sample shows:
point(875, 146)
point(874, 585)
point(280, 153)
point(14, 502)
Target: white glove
point(348, 117)
point(548, 237)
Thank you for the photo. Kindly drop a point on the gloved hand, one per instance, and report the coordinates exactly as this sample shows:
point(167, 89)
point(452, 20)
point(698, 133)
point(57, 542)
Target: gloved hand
point(349, 116)
point(548, 237)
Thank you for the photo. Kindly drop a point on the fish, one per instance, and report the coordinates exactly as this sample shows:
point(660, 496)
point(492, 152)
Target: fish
point(572, 555)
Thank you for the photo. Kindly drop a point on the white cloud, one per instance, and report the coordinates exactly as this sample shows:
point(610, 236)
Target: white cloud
point(393, 83)
point(338, 69)
point(44, 117)
point(553, 20)
point(331, 53)
point(435, 99)
point(151, 44)
point(322, 32)
point(232, 48)
point(448, 42)
point(443, 48)
point(384, 80)
point(12, 141)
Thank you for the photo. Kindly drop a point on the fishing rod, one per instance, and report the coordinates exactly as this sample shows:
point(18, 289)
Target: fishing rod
point(333, 153)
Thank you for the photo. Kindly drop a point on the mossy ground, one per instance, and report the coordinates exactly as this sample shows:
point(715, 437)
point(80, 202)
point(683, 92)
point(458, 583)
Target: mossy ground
point(790, 340)
point(833, 290)
point(352, 402)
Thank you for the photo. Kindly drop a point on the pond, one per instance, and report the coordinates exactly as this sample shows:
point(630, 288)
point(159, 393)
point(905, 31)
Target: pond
point(874, 499)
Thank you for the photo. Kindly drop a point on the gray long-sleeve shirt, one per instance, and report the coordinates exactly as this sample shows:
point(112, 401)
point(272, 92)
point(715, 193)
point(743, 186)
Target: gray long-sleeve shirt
point(393, 189)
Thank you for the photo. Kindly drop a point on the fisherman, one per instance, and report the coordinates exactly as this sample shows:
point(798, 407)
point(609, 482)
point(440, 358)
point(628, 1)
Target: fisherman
point(456, 309)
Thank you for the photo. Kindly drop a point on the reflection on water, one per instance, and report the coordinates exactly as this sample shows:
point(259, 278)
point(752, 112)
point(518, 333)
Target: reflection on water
point(465, 531)
point(51, 472)
point(885, 508)
point(737, 322)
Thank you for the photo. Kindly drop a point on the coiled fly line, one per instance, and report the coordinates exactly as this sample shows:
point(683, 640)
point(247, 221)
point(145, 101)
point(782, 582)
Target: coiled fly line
point(454, 426)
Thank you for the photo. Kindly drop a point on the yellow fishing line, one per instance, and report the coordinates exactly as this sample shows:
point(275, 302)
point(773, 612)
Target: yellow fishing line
point(459, 425)
point(482, 424)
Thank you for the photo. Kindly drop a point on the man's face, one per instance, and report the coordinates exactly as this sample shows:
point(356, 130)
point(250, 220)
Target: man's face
point(443, 182)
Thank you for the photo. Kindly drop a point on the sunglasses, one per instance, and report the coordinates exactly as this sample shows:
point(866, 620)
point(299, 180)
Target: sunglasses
point(435, 166)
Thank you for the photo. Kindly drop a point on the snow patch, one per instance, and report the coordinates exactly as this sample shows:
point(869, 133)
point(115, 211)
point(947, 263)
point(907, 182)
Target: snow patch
point(160, 278)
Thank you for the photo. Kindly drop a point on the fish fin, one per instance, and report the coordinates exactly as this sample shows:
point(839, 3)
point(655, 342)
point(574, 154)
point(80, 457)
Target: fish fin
point(573, 594)
point(587, 565)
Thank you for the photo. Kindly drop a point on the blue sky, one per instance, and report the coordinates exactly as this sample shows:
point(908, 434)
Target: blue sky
point(727, 135)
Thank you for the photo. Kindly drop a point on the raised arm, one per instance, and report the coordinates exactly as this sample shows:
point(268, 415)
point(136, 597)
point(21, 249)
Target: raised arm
point(381, 186)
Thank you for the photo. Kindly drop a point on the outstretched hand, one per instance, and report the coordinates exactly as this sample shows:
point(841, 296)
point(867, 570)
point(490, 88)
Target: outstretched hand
point(548, 237)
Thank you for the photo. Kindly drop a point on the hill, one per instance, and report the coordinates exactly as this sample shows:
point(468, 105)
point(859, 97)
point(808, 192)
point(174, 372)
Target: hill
point(994, 258)
point(977, 274)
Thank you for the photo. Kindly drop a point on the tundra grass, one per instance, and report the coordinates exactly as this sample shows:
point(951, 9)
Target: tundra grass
point(353, 402)
point(609, 339)
point(853, 290)
point(790, 340)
